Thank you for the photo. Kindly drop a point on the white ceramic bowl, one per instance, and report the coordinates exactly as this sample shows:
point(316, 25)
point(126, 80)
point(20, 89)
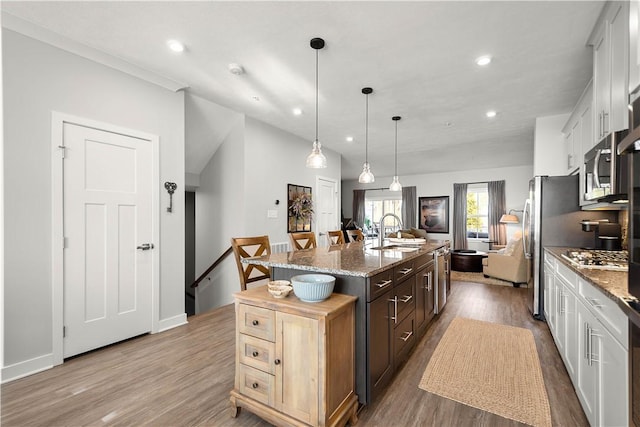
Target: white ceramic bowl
point(279, 288)
point(313, 287)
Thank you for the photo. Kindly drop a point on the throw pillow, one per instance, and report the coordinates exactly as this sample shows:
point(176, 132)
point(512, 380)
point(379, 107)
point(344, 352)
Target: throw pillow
point(511, 246)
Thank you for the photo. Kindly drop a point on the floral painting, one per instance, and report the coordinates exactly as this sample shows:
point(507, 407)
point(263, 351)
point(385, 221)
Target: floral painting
point(299, 208)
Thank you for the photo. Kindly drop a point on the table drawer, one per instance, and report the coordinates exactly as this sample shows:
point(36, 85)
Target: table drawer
point(256, 384)
point(405, 294)
point(423, 260)
point(256, 321)
point(569, 277)
point(404, 339)
point(606, 311)
point(256, 352)
point(379, 284)
point(403, 271)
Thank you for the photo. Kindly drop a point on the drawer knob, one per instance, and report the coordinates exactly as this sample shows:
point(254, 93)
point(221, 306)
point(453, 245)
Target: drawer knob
point(277, 361)
point(255, 323)
point(255, 354)
point(254, 385)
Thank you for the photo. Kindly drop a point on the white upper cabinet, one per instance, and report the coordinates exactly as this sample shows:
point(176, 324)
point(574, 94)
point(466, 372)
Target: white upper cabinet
point(610, 41)
point(634, 46)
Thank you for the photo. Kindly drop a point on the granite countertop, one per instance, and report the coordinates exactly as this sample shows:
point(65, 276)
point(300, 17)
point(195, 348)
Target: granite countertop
point(614, 284)
point(350, 259)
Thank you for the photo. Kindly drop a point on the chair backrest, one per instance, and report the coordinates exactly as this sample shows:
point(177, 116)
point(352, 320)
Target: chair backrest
point(335, 237)
point(355, 235)
point(303, 240)
point(245, 247)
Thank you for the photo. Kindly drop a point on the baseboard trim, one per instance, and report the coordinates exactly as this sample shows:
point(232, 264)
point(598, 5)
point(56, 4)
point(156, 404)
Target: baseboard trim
point(27, 367)
point(172, 322)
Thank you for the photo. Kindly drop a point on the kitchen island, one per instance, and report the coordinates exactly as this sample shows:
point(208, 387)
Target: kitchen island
point(400, 289)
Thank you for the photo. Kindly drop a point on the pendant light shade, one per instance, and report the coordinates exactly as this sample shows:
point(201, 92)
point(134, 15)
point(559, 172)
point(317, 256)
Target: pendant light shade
point(395, 184)
point(316, 159)
point(366, 177)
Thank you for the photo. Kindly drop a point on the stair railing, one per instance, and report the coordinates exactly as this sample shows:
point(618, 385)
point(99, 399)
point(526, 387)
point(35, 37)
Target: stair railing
point(212, 267)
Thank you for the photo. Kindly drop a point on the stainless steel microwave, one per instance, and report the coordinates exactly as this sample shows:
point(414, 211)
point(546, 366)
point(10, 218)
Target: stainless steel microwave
point(605, 175)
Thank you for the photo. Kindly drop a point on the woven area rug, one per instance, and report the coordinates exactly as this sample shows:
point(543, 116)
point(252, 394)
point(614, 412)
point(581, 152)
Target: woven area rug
point(491, 367)
point(463, 276)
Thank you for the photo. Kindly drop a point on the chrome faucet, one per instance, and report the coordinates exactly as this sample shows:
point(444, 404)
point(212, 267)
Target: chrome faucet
point(381, 228)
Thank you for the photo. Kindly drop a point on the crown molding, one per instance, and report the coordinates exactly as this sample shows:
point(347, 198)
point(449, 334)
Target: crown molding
point(26, 28)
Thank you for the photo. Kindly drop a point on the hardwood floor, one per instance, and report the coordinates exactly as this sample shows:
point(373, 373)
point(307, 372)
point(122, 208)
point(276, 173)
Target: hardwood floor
point(182, 377)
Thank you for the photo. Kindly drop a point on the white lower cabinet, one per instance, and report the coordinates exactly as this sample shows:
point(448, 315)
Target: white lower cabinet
point(589, 330)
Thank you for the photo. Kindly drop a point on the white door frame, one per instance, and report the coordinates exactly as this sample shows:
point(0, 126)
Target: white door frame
point(57, 224)
point(336, 204)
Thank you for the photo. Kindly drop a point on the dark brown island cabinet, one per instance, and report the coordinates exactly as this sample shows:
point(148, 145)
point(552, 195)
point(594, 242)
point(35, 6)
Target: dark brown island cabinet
point(394, 308)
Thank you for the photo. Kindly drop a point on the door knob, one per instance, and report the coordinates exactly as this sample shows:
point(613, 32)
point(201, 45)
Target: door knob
point(145, 246)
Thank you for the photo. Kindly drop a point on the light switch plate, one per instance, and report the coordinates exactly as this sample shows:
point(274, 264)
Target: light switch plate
point(272, 213)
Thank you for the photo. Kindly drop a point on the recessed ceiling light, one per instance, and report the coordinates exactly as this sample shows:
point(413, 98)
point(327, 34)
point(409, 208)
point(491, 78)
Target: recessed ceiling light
point(255, 98)
point(483, 60)
point(235, 69)
point(491, 113)
point(297, 112)
point(175, 46)
point(349, 139)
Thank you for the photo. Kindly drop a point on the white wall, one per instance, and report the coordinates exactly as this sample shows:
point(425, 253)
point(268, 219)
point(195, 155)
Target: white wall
point(39, 79)
point(246, 175)
point(549, 151)
point(441, 184)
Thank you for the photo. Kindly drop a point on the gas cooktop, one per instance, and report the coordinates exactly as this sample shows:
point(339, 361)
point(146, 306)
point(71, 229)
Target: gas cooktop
point(599, 259)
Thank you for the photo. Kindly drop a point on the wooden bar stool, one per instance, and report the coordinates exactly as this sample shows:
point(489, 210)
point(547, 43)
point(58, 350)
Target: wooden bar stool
point(335, 237)
point(355, 235)
point(246, 247)
point(303, 240)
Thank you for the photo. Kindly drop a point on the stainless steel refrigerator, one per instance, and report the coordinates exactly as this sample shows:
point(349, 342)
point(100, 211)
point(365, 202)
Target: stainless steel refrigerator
point(552, 217)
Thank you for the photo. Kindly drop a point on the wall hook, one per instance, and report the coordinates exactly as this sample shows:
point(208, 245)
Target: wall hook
point(170, 187)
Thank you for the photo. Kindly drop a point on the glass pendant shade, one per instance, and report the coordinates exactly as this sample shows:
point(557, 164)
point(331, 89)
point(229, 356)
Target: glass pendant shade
point(366, 177)
point(395, 184)
point(316, 159)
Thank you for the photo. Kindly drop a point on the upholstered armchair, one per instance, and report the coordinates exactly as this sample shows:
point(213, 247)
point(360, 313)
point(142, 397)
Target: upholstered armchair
point(509, 263)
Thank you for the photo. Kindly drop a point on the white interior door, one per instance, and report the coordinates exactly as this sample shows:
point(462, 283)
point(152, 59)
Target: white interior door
point(326, 209)
point(107, 183)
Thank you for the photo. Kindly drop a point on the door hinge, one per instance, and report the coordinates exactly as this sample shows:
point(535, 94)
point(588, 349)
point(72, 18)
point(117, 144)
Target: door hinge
point(64, 332)
point(63, 151)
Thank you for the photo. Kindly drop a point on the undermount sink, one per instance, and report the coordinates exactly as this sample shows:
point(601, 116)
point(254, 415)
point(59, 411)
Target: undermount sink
point(401, 248)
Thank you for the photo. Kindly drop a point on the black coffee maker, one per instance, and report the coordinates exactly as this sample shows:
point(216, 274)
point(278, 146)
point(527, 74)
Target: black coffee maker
point(607, 235)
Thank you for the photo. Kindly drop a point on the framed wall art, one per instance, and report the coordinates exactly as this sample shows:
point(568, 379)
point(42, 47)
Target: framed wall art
point(299, 208)
point(433, 214)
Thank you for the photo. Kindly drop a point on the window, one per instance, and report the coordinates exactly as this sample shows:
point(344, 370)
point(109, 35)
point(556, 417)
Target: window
point(378, 203)
point(477, 211)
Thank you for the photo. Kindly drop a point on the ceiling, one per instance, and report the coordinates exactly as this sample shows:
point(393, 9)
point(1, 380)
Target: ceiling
point(418, 56)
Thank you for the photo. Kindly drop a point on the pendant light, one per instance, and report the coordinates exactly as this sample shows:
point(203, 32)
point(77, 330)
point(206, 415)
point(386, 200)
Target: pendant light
point(316, 159)
point(395, 184)
point(366, 177)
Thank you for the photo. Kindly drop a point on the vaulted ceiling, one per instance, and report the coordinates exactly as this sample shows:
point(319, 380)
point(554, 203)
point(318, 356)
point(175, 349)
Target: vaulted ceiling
point(418, 56)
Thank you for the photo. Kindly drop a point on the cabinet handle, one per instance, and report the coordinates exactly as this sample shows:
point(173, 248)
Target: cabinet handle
point(394, 300)
point(383, 283)
point(406, 298)
point(592, 356)
point(407, 336)
point(255, 323)
point(594, 303)
point(406, 271)
point(277, 361)
point(254, 385)
point(428, 276)
point(255, 354)
point(605, 123)
point(584, 340)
